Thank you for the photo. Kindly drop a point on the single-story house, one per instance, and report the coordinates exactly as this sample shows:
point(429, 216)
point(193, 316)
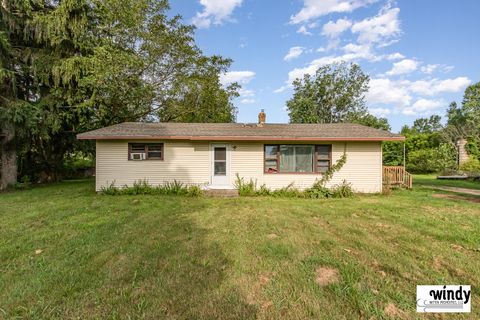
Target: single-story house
point(213, 154)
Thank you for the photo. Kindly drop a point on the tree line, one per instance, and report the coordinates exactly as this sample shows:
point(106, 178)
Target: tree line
point(76, 65)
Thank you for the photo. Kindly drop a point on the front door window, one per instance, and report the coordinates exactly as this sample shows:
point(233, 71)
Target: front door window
point(220, 161)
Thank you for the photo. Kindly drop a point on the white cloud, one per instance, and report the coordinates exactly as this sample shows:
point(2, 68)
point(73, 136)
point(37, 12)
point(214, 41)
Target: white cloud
point(436, 86)
point(400, 93)
point(395, 56)
point(281, 89)
point(293, 53)
point(356, 48)
point(242, 77)
point(423, 106)
point(334, 29)
point(247, 101)
point(448, 68)
point(379, 28)
point(316, 8)
point(402, 67)
point(430, 68)
point(352, 54)
point(333, 44)
point(452, 85)
point(304, 30)
point(246, 95)
point(386, 91)
point(379, 112)
point(312, 67)
point(246, 92)
point(215, 11)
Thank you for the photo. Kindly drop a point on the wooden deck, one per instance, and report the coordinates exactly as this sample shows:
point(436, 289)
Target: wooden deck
point(397, 176)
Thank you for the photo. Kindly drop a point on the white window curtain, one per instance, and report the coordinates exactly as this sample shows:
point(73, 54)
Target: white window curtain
point(296, 158)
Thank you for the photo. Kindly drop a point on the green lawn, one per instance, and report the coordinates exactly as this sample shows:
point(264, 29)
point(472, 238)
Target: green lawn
point(431, 180)
point(157, 257)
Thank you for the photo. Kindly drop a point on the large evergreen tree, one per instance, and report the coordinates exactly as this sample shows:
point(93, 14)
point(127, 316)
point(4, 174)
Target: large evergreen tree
point(75, 65)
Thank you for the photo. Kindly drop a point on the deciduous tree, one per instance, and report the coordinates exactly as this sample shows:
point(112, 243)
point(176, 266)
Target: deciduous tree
point(74, 65)
point(334, 94)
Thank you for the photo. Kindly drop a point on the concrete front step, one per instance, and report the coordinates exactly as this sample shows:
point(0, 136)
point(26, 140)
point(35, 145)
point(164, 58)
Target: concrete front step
point(223, 193)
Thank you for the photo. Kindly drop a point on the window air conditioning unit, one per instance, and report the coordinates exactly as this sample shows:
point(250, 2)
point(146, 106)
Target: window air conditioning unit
point(137, 156)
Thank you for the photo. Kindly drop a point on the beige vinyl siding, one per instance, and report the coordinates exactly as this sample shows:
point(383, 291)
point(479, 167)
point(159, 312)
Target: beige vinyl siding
point(363, 168)
point(190, 163)
point(184, 161)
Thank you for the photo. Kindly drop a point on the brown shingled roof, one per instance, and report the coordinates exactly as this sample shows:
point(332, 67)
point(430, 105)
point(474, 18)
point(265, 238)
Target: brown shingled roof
point(238, 131)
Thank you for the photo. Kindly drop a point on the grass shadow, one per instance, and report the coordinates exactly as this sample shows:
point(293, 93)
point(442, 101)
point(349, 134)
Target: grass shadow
point(114, 257)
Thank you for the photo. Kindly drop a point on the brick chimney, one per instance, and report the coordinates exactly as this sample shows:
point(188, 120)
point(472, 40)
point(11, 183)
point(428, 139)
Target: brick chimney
point(262, 118)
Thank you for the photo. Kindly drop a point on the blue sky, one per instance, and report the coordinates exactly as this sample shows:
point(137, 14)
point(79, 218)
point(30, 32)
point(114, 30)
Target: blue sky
point(420, 55)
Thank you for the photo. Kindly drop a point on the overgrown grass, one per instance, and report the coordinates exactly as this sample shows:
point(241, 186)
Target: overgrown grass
point(66, 252)
point(431, 180)
point(142, 187)
point(249, 188)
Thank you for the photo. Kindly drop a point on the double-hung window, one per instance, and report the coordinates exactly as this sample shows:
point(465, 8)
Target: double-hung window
point(323, 155)
point(297, 158)
point(145, 151)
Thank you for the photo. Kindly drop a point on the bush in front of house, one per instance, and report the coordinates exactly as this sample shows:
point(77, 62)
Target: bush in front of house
point(343, 190)
point(248, 188)
point(316, 191)
point(142, 187)
point(288, 192)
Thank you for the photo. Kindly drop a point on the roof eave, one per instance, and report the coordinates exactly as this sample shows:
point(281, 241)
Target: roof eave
point(237, 138)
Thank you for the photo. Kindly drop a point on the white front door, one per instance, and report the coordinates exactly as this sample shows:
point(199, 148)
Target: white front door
point(220, 158)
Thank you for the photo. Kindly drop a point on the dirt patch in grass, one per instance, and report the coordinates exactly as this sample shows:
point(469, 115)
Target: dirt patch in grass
point(457, 247)
point(255, 295)
point(263, 279)
point(455, 197)
point(378, 268)
point(382, 226)
point(272, 236)
point(327, 276)
point(392, 311)
point(437, 263)
point(267, 305)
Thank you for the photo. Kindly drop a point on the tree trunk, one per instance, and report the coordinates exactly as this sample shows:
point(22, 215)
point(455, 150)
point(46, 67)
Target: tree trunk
point(8, 164)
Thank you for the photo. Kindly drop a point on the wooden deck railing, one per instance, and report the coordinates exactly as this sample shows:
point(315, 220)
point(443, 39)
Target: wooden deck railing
point(397, 176)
